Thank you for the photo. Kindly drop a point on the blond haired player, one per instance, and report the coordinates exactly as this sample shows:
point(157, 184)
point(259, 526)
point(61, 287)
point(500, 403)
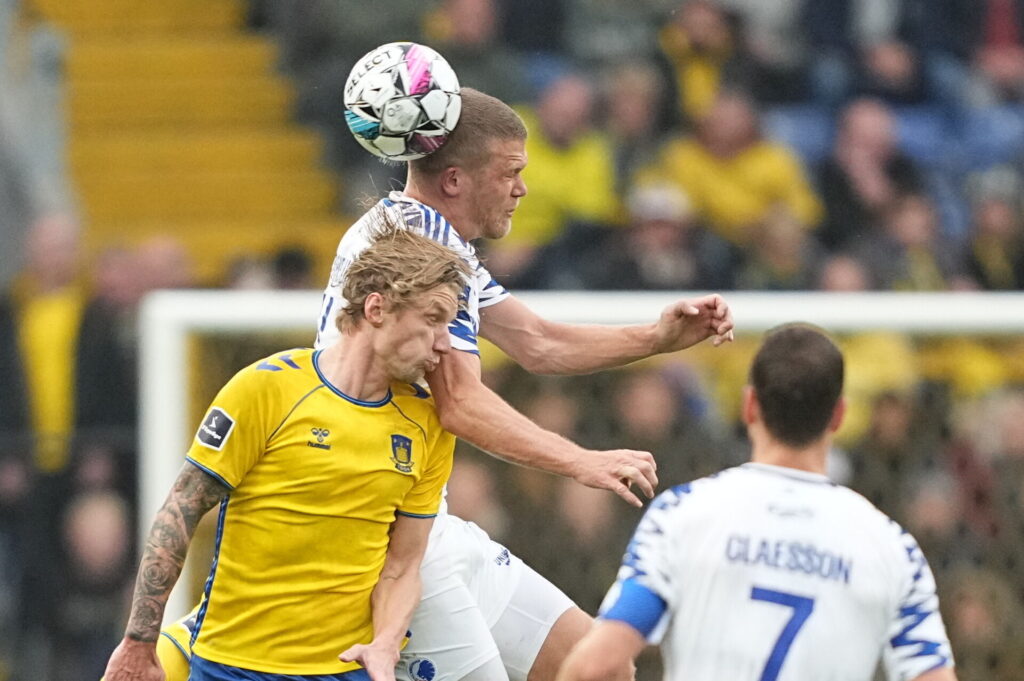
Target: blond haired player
point(328, 467)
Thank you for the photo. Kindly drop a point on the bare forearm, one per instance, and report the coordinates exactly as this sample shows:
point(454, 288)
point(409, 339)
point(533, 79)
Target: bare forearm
point(483, 419)
point(566, 349)
point(394, 600)
point(194, 493)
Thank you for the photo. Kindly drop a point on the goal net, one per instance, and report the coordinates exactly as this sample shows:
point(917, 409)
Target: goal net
point(935, 433)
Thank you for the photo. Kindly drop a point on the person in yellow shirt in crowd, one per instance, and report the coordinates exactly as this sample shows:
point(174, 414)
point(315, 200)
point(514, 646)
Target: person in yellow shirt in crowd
point(571, 173)
point(328, 467)
point(735, 177)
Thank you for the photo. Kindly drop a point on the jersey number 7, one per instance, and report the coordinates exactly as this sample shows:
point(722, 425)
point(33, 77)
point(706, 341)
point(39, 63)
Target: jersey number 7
point(802, 608)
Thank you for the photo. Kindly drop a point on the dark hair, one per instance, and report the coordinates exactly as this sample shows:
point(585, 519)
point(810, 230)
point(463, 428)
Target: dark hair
point(797, 376)
point(483, 118)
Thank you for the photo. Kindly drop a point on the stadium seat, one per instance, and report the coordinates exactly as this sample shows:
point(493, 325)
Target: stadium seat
point(807, 129)
point(924, 134)
point(993, 136)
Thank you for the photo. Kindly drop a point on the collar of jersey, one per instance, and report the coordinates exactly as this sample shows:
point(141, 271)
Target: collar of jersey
point(787, 472)
point(348, 398)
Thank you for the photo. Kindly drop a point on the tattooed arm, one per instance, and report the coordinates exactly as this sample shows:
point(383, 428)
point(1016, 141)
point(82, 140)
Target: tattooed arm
point(194, 493)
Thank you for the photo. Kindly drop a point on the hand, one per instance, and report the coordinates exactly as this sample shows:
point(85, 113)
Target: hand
point(378, 661)
point(688, 322)
point(134, 661)
point(618, 470)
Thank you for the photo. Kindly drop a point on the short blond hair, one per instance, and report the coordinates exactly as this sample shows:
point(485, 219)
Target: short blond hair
point(483, 119)
point(399, 265)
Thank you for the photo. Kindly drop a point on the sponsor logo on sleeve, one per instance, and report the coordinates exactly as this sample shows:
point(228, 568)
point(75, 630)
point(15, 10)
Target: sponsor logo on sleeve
point(215, 429)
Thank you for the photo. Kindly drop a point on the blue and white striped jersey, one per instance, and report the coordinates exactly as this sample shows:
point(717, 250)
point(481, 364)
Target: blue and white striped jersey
point(764, 573)
point(480, 292)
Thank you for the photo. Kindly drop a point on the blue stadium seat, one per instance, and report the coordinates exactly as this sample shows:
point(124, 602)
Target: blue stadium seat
point(924, 134)
point(807, 129)
point(993, 136)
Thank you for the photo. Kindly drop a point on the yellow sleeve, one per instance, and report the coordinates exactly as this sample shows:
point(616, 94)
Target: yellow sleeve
point(234, 432)
point(424, 499)
point(796, 190)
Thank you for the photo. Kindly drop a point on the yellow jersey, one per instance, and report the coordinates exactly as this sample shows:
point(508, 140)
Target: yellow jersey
point(316, 479)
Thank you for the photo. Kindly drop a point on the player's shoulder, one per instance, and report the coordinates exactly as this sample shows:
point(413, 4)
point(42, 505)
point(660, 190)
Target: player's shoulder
point(412, 398)
point(281, 364)
point(279, 373)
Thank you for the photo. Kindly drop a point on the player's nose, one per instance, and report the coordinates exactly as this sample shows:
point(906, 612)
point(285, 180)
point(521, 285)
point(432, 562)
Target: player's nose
point(519, 189)
point(442, 343)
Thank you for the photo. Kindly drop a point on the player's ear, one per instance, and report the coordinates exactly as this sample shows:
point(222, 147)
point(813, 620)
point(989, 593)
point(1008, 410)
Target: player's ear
point(452, 181)
point(374, 308)
point(837, 415)
point(751, 410)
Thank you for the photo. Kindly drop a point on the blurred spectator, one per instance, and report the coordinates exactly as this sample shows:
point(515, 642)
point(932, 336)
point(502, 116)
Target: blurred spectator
point(605, 32)
point(635, 117)
point(734, 176)
point(703, 49)
point(570, 177)
point(995, 257)
point(774, 45)
point(986, 625)
point(664, 411)
point(910, 52)
point(64, 365)
point(897, 450)
point(87, 601)
point(1000, 55)
point(466, 33)
point(663, 248)
point(782, 256)
point(293, 269)
point(910, 253)
point(165, 263)
point(864, 174)
point(843, 273)
point(473, 494)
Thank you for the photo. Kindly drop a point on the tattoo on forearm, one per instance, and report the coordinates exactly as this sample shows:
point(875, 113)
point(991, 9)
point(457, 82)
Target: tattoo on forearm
point(194, 493)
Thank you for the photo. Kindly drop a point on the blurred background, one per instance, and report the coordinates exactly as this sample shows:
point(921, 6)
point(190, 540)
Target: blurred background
point(771, 145)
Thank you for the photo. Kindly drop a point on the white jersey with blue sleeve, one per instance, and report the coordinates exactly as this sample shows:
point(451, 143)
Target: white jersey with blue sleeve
point(765, 573)
point(481, 291)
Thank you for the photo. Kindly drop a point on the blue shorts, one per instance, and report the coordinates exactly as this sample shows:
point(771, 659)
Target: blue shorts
point(204, 670)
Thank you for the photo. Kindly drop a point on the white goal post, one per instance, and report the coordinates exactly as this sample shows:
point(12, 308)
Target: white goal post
point(169, 317)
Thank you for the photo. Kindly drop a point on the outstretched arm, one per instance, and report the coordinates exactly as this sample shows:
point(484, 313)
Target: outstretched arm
point(394, 598)
point(194, 493)
point(475, 413)
point(546, 347)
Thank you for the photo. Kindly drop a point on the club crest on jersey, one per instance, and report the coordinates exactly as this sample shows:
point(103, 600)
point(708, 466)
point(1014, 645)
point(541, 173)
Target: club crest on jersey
point(215, 429)
point(320, 434)
point(422, 669)
point(401, 453)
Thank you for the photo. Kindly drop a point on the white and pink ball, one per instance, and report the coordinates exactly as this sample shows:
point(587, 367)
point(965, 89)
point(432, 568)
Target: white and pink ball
point(402, 101)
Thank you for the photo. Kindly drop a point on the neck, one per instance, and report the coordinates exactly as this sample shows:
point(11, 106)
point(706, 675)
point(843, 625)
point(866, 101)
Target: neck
point(449, 207)
point(811, 458)
point(351, 366)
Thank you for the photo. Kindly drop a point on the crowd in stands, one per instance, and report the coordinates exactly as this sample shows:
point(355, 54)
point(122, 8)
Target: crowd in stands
point(887, 133)
point(835, 145)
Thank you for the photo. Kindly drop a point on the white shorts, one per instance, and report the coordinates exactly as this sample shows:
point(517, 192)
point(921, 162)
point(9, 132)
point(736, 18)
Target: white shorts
point(479, 601)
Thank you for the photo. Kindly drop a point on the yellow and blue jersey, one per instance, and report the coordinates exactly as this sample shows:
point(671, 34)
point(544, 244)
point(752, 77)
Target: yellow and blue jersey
point(316, 479)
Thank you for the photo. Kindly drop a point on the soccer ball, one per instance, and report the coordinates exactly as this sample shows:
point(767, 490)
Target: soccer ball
point(402, 101)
